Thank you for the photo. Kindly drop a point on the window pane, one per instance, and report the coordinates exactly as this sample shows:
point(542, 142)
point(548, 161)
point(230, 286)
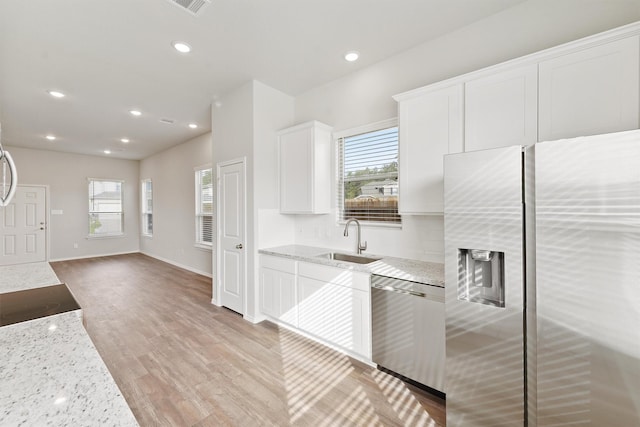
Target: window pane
point(369, 176)
point(105, 223)
point(204, 205)
point(105, 207)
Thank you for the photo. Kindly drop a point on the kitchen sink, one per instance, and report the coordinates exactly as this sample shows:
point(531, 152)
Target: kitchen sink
point(357, 259)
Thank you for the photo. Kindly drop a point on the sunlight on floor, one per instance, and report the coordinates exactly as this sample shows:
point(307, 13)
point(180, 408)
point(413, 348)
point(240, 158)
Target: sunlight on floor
point(409, 410)
point(311, 374)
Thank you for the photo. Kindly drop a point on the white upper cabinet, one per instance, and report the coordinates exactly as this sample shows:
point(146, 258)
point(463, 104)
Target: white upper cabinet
point(431, 126)
point(590, 91)
point(305, 168)
point(502, 109)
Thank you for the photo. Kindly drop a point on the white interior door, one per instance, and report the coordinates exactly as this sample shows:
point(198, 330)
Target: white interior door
point(231, 235)
point(23, 227)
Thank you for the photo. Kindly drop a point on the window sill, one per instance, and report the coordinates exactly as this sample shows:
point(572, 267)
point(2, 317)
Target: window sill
point(147, 236)
point(203, 247)
point(106, 236)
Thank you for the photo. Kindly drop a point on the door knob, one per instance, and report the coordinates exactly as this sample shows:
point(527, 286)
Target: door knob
point(239, 246)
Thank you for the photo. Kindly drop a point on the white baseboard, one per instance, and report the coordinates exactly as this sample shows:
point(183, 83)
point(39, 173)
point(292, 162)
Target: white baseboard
point(177, 264)
point(93, 256)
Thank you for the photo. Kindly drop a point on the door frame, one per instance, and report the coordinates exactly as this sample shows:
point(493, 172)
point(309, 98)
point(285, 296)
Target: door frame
point(218, 261)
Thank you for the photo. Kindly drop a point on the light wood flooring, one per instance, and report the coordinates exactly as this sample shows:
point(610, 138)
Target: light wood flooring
point(181, 361)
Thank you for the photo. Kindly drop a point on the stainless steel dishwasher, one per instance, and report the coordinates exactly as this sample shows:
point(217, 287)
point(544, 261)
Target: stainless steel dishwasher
point(408, 331)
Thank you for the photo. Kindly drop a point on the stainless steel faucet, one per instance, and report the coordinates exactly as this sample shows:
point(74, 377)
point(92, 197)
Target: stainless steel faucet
point(359, 247)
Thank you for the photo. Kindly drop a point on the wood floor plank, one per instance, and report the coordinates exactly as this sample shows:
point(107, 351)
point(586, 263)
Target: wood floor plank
point(181, 361)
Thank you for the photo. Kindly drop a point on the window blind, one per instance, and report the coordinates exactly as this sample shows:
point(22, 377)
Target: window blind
point(368, 176)
point(147, 207)
point(204, 206)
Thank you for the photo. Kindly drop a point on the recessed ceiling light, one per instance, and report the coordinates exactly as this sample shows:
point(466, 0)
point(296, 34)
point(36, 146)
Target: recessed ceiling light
point(124, 140)
point(351, 56)
point(135, 112)
point(193, 125)
point(50, 137)
point(56, 94)
point(107, 151)
point(181, 47)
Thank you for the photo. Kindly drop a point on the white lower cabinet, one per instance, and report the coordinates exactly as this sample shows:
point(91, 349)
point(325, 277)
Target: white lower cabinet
point(334, 305)
point(278, 289)
point(328, 303)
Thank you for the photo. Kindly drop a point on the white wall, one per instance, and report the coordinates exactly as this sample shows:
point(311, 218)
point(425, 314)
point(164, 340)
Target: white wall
point(244, 125)
point(232, 138)
point(365, 96)
point(66, 175)
point(174, 225)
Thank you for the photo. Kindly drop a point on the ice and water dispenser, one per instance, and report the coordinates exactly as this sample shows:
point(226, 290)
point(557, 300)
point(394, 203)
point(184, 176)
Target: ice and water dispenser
point(481, 276)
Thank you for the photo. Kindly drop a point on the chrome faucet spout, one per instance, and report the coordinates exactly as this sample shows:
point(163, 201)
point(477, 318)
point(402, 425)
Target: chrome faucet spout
point(359, 246)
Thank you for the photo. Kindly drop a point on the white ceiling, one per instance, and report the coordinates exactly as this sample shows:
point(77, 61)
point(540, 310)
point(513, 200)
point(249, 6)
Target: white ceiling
point(110, 56)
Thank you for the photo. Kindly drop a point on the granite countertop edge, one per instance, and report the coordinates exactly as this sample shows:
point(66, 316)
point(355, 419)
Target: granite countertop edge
point(431, 273)
point(51, 373)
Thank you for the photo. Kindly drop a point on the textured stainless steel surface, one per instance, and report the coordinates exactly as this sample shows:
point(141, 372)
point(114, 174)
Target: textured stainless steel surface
point(484, 343)
point(357, 259)
point(588, 281)
point(408, 329)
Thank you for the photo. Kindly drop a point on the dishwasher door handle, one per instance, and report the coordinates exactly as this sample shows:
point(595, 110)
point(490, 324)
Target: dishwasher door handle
point(398, 290)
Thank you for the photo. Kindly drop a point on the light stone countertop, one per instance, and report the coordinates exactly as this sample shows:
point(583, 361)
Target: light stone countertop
point(26, 276)
point(50, 371)
point(51, 374)
point(431, 273)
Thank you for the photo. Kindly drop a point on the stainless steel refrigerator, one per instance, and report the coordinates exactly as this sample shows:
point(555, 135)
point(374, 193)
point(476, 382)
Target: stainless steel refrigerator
point(542, 271)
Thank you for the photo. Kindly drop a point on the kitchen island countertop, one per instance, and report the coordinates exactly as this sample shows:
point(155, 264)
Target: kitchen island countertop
point(431, 273)
point(51, 374)
point(50, 371)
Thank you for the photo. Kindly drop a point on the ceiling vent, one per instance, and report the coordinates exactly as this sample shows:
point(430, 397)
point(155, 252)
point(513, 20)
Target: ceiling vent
point(192, 6)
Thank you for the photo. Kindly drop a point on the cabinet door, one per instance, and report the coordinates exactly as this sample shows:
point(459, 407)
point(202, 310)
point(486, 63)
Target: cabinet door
point(288, 308)
point(278, 289)
point(591, 91)
point(316, 307)
point(430, 127)
point(352, 320)
point(502, 109)
point(296, 171)
point(269, 292)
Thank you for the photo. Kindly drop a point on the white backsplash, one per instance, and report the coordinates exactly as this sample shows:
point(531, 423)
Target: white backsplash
point(421, 237)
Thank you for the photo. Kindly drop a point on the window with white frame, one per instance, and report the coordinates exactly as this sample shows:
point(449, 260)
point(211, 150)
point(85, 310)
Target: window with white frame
point(146, 209)
point(204, 206)
point(106, 216)
point(368, 174)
